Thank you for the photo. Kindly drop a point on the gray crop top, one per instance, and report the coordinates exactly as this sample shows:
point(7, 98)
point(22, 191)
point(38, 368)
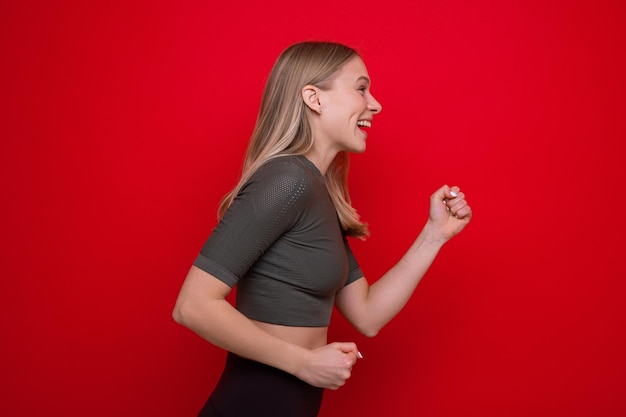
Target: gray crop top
point(281, 243)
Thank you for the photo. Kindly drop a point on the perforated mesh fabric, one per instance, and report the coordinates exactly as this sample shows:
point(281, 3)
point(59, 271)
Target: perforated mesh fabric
point(280, 242)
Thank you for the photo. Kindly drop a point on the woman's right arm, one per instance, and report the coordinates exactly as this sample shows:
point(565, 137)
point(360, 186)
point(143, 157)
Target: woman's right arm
point(202, 307)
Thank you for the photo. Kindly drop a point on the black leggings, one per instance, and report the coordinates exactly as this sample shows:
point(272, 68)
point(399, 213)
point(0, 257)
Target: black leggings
point(249, 388)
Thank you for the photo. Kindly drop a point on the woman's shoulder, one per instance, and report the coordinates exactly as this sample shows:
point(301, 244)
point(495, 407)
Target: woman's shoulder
point(289, 169)
point(278, 178)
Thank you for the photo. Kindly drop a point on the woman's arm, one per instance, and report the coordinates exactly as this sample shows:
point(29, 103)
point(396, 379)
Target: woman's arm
point(202, 307)
point(369, 308)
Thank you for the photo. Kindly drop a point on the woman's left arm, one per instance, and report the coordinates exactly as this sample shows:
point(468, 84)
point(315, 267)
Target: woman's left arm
point(369, 308)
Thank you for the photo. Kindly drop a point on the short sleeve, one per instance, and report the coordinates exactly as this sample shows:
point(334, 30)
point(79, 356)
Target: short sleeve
point(267, 206)
point(354, 272)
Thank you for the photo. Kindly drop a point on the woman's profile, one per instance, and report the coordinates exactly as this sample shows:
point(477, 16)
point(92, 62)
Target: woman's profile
point(282, 239)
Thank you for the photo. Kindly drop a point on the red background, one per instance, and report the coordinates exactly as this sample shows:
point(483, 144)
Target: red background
point(123, 123)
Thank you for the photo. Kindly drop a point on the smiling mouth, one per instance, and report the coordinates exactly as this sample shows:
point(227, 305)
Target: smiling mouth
point(364, 123)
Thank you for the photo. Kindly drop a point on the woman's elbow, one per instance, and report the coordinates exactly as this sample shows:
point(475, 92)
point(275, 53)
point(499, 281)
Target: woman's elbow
point(177, 315)
point(364, 323)
point(181, 312)
point(368, 330)
point(370, 333)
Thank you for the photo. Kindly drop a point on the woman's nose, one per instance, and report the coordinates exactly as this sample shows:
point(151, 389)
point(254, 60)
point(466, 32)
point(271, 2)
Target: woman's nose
point(374, 106)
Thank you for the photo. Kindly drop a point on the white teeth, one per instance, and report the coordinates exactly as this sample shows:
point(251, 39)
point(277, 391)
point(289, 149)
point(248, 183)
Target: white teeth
point(364, 123)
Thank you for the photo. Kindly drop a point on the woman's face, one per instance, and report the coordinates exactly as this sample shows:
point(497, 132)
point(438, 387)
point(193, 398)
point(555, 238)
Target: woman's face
point(347, 109)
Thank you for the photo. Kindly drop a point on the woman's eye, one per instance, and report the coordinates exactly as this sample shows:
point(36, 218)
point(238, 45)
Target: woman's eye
point(362, 89)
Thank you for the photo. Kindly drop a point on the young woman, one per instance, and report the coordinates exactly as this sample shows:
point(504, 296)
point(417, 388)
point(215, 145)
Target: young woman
point(282, 239)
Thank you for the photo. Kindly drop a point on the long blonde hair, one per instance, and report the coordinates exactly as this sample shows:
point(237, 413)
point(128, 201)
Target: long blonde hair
point(283, 128)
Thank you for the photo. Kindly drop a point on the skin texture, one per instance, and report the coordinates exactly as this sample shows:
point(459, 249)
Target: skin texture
point(336, 112)
point(305, 351)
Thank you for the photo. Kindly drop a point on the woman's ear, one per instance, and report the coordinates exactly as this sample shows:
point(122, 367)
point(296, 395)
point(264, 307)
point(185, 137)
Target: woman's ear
point(311, 97)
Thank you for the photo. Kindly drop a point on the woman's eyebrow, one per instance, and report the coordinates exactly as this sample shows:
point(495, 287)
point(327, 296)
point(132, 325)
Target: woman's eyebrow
point(364, 78)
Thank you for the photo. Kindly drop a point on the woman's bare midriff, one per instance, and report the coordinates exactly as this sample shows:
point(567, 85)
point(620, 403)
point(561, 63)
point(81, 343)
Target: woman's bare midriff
point(307, 337)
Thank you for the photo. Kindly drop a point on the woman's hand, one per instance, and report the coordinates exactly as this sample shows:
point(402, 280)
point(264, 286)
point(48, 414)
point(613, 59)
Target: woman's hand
point(449, 212)
point(330, 366)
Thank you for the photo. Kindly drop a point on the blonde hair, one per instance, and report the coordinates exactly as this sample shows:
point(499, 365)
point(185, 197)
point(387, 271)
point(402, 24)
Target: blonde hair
point(283, 126)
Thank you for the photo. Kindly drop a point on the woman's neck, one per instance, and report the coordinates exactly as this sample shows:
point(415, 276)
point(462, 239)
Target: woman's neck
point(321, 160)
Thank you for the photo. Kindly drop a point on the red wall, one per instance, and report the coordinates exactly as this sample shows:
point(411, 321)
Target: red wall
point(123, 123)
